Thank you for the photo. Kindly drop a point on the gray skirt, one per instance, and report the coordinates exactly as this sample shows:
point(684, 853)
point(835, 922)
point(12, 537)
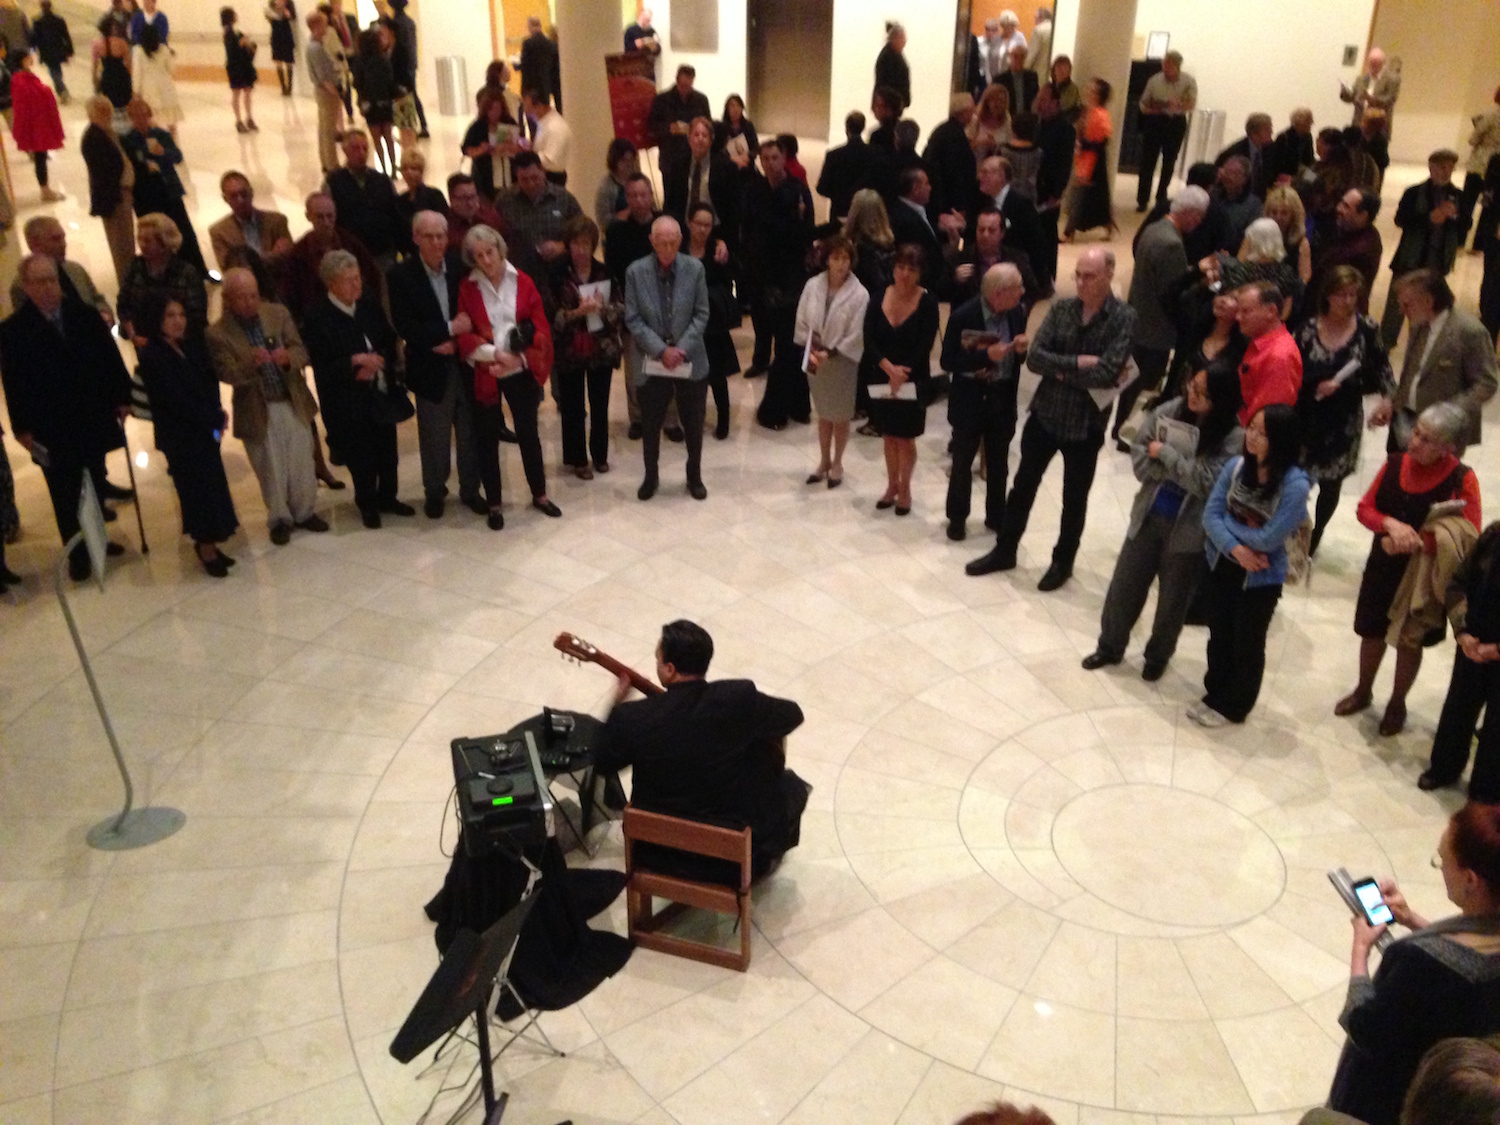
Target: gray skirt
point(833, 388)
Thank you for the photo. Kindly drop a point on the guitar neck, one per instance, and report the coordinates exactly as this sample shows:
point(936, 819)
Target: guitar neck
point(569, 645)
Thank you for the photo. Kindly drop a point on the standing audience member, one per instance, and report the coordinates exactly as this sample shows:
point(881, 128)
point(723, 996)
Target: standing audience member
point(300, 280)
point(239, 61)
point(990, 126)
point(326, 76)
point(1055, 138)
point(1433, 228)
point(672, 113)
point(188, 422)
point(627, 241)
point(147, 16)
point(778, 220)
point(912, 225)
point(46, 235)
point(1240, 205)
point(509, 346)
point(35, 123)
point(641, 36)
point(1082, 347)
point(551, 136)
point(1484, 146)
point(366, 200)
point(491, 140)
point(405, 30)
point(467, 210)
point(1284, 207)
point(1473, 605)
point(891, 70)
point(249, 236)
point(587, 342)
point(1449, 358)
point(282, 16)
point(983, 348)
point(1256, 148)
point(850, 166)
point(897, 365)
point(1397, 507)
point(1069, 97)
point(989, 247)
point(114, 68)
point(1258, 501)
point(257, 350)
point(1377, 87)
point(1089, 205)
point(111, 184)
point(54, 46)
point(158, 188)
point(1020, 82)
point(1208, 331)
point(1039, 49)
point(419, 195)
point(1164, 540)
point(666, 313)
point(534, 210)
point(830, 327)
point(1292, 153)
point(1342, 361)
point(1166, 104)
point(538, 63)
point(67, 392)
point(621, 161)
point(735, 134)
point(1354, 242)
point(949, 160)
point(706, 177)
point(151, 79)
point(705, 243)
point(161, 266)
point(425, 314)
point(1271, 370)
point(1439, 981)
point(376, 90)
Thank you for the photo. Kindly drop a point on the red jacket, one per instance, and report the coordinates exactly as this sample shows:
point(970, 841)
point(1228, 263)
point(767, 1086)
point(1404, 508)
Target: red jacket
point(38, 127)
point(528, 307)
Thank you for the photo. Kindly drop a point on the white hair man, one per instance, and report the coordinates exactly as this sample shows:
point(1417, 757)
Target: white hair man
point(1166, 103)
point(1377, 87)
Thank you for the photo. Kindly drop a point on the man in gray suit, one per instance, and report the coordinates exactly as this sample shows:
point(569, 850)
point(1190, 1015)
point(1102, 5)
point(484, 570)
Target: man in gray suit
point(1449, 358)
point(666, 311)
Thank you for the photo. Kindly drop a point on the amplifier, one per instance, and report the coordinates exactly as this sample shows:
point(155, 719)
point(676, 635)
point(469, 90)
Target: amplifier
point(502, 792)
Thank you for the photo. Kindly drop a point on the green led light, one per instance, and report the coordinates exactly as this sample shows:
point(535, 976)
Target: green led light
point(503, 801)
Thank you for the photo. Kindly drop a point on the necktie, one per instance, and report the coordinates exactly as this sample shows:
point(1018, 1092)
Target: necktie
point(696, 193)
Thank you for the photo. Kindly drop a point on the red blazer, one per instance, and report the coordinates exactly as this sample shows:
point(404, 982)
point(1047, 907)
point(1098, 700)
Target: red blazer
point(528, 307)
point(38, 127)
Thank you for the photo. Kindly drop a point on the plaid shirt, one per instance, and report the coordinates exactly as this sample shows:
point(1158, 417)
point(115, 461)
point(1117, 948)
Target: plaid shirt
point(272, 381)
point(1062, 403)
point(535, 223)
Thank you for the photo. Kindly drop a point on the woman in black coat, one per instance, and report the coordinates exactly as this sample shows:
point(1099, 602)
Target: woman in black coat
point(190, 421)
point(703, 243)
point(239, 63)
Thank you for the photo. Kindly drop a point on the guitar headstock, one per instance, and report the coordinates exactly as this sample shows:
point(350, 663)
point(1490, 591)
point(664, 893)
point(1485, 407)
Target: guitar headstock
point(575, 648)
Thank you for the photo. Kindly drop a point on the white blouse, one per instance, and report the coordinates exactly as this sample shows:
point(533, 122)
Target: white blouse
point(500, 307)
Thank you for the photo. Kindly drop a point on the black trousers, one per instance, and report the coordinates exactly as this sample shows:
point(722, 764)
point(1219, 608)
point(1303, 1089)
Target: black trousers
point(1323, 509)
point(654, 395)
point(786, 394)
point(1472, 190)
point(1238, 621)
point(774, 326)
point(524, 395)
point(1473, 688)
point(1080, 459)
point(570, 388)
point(1161, 135)
point(369, 450)
point(1489, 289)
point(1153, 364)
point(64, 479)
point(981, 414)
point(39, 161)
point(421, 111)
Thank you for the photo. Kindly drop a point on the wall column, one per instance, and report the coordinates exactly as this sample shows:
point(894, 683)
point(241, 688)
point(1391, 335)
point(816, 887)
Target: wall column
point(1102, 48)
point(587, 30)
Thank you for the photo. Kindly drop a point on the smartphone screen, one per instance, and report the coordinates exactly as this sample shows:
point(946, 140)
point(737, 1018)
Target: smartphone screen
point(1372, 902)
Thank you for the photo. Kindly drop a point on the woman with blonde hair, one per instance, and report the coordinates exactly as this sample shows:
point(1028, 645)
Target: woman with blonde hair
point(160, 267)
point(1285, 206)
point(868, 229)
point(111, 183)
point(991, 126)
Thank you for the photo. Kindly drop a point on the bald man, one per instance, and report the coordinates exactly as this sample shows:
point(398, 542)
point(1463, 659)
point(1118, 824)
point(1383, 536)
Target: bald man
point(1377, 87)
point(666, 312)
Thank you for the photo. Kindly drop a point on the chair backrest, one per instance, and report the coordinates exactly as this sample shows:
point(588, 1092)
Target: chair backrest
point(732, 844)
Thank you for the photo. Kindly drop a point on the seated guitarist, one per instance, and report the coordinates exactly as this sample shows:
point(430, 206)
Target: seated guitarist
point(709, 752)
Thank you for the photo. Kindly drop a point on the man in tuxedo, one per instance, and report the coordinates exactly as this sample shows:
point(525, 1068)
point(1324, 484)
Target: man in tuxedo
point(248, 236)
point(1020, 82)
point(672, 112)
point(1023, 228)
point(705, 177)
point(67, 391)
point(982, 403)
point(707, 752)
point(967, 268)
point(950, 158)
point(424, 309)
point(778, 226)
point(912, 224)
point(847, 167)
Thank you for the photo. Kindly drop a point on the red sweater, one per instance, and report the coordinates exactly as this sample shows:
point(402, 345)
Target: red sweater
point(528, 307)
point(1271, 372)
point(1415, 478)
point(38, 126)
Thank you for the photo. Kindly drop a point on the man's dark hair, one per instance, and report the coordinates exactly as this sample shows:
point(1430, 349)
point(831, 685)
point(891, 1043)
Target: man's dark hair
point(636, 177)
point(908, 132)
point(907, 182)
point(1369, 203)
point(523, 160)
point(537, 95)
point(1434, 284)
point(788, 143)
point(691, 72)
point(457, 180)
point(988, 209)
point(854, 124)
point(687, 647)
point(765, 143)
point(1203, 174)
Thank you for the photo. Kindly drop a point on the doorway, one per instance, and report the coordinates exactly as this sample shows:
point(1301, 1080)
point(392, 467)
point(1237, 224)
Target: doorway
point(789, 66)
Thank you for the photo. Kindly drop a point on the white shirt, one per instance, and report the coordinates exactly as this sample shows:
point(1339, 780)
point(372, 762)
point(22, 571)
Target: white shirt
point(500, 307)
point(553, 140)
point(1432, 334)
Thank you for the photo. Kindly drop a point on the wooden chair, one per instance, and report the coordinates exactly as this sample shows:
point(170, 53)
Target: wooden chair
point(642, 885)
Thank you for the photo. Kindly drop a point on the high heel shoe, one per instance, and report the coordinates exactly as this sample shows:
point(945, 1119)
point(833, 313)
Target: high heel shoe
point(835, 481)
point(817, 477)
point(885, 502)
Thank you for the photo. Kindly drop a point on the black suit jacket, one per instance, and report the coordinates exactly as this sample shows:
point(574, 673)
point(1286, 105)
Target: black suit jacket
point(908, 227)
point(846, 169)
point(1266, 178)
point(1027, 81)
point(420, 322)
point(724, 189)
point(1291, 152)
point(538, 63)
point(370, 210)
point(331, 337)
point(700, 750)
point(1023, 226)
point(63, 389)
point(967, 394)
point(668, 108)
point(951, 164)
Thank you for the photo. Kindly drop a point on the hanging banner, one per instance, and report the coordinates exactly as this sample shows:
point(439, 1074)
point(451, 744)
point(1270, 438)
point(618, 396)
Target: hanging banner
point(632, 85)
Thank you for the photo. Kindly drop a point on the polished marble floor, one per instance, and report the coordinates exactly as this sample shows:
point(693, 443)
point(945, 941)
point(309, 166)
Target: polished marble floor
point(1017, 879)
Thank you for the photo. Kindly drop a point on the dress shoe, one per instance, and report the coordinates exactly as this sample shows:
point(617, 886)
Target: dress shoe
point(903, 511)
point(601, 466)
point(674, 433)
point(1153, 671)
point(332, 483)
point(755, 371)
point(475, 504)
point(215, 567)
point(958, 530)
point(114, 550)
point(884, 503)
point(508, 435)
point(1056, 577)
point(370, 517)
point(634, 433)
point(1430, 781)
point(816, 478)
point(1393, 722)
point(110, 491)
point(996, 560)
point(433, 508)
point(721, 431)
point(647, 489)
point(314, 523)
point(583, 472)
point(774, 427)
point(496, 519)
point(696, 490)
point(547, 508)
point(281, 534)
point(397, 508)
point(227, 560)
point(254, 128)
point(835, 481)
point(1352, 704)
point(1099, 659)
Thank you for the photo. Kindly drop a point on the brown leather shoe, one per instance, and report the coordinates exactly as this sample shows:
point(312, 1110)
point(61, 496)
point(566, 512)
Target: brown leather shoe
point(1351, 704)
point(1394, 719)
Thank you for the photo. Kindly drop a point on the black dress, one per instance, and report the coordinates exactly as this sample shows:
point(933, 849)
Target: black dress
point(375, 82)
point(908, 344)
point(189, 422)
point(239, 61)
point(114, 81)
point(283, 39)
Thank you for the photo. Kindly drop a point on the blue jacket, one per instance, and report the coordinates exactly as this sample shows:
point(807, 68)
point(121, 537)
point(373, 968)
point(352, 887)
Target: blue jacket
point(646, 320)
point(1225, 533)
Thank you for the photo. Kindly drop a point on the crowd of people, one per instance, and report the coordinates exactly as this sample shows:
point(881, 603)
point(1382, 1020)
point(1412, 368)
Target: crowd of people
point(1235, 371)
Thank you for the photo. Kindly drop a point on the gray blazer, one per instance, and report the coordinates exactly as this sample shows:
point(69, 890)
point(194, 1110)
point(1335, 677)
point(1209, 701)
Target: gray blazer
point(1461, 369)
point(1194, 475)
point(1160, 259)
point(647, 320)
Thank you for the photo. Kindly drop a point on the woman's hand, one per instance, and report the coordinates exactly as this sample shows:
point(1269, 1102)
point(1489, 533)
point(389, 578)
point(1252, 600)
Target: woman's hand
point(1404, 538)
point(815, 360)
point(1365, 937)
point(1153, 449)
point(1325, 389)
point(1249, 559)
point(897, 373)
point(1381, 415)
point(507, 363)
point(1400, 910)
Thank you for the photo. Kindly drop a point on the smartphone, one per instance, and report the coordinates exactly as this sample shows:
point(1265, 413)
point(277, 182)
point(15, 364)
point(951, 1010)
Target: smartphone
point(1372, 902)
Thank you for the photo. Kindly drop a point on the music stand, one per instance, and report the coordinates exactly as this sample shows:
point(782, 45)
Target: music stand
point(459, 990)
